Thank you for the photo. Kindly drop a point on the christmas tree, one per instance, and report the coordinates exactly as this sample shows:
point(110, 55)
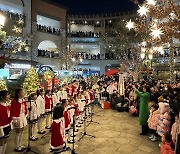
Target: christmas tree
point(31, 82)
point(158, 22)
point(3, 85)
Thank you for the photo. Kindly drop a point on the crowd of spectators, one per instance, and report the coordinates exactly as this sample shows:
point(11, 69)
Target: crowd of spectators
point(48, 29)
point(108, 56)
point(156, 103)
point(166, 53)
point(84, 34)
point(13, 16)
point(47, 54)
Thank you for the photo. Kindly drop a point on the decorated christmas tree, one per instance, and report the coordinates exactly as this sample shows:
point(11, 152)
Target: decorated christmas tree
point(3, 85)
point(31, 82)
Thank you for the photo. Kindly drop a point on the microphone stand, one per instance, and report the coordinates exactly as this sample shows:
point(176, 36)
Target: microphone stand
point(85, 133)
point(28, 149)
point(91, 116)
point(73, 147)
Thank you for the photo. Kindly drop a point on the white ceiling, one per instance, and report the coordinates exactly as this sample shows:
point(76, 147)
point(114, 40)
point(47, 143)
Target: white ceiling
point(47, 45)
point(42, 20)
point(11, 6)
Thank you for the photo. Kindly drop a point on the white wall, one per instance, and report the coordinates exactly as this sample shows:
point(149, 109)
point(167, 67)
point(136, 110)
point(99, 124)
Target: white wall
point(83, 28)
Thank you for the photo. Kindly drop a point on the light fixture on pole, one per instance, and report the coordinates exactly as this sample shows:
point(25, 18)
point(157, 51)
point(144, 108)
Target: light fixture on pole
point(2, 20)
point(142, 55)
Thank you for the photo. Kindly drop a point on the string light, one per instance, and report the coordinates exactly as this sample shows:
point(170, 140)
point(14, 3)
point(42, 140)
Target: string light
point(143, 10)
point(130, 25)
point(151, 2)
point(156, 33)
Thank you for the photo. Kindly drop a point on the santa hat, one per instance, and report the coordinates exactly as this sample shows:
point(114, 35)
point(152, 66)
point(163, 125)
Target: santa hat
point(160, 99)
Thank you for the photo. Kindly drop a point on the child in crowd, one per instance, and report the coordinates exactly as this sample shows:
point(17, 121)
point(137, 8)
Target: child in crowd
point(82, 103)
point(153, 121)
point(57, 143)
point(33, 115)
point(77, 111)
point(55, 97)
point(5, 120)
point(18, 114)
point(41, 109)
point(164, 121)
point(48, 108)
point(174, 129)
point(166, 145)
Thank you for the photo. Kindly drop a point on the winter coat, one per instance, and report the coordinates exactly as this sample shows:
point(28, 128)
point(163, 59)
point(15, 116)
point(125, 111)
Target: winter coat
point(174, 131)
point(166, 148)
point(164, 121)
point(143, 107)
point(153, 119)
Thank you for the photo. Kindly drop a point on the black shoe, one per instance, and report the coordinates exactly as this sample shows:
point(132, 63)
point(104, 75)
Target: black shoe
point(81, 122)
point(33, 138)
point(76, 131)
point(41, 132)
point(143, 133)
point(19, 149)
point(78, 125)
point(70, 142)
point(47, 127)
point(73, 136)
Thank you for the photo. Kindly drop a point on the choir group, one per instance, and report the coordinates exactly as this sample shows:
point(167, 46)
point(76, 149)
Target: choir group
point(57, 107)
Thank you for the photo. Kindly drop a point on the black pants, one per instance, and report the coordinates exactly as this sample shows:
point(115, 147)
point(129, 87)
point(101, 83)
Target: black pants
point(145, 129)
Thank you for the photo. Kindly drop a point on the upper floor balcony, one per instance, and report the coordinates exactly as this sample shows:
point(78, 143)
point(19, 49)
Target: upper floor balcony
point(87, 34)
point(48, 25)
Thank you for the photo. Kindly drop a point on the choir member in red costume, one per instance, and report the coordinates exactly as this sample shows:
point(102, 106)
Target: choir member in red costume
point(57, 142)
point(48, 107)
point(18, 114)
point(5, 120)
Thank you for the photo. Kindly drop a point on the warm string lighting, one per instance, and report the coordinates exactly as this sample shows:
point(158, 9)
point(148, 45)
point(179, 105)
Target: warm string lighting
point(151, 2)
point(156, 33)
point(143, 10)
point(130, 25)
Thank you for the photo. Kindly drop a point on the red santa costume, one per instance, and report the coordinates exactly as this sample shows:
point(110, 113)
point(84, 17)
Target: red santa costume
point(48, 104)
point(19, 113)
point(91, 94)
point(67, 119)
point(57, 142)
point(5, 121)
point(48, 109)
point(73, 90)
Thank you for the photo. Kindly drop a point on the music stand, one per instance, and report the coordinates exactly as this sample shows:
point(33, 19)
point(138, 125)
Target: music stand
point(85, 133)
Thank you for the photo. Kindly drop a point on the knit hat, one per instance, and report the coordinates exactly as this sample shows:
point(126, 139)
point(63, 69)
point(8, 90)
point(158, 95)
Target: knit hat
point(160, 99)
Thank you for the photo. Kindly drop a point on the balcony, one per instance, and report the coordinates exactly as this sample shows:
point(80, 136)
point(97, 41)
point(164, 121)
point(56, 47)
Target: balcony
point(88, 34)
point(48, 29)
point(48, 54)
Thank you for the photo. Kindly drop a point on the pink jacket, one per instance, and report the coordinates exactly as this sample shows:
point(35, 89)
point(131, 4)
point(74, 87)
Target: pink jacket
point(153, 119)
point(174, 131)
point(166, 148)
point(164, 120)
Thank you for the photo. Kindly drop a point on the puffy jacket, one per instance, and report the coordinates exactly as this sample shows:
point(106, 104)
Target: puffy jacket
point(166, 148)
point(164, 120)
point(174, 131)
point(153, 119)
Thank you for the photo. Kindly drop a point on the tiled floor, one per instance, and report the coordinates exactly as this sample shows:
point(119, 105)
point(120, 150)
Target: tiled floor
point(117, 133)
